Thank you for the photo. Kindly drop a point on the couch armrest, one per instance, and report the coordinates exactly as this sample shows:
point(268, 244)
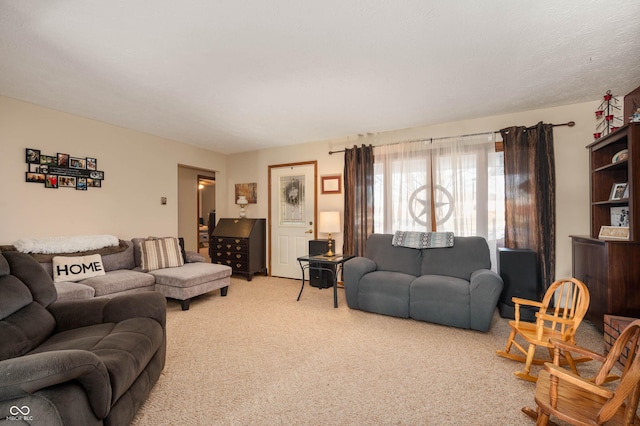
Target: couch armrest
point(193, 257)
point(486, 287)
point(352, 272)
point(81, 313)
point(30, 373)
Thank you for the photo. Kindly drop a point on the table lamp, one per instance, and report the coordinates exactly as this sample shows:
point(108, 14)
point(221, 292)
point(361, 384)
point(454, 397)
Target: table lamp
point(242, 201)
point(329, 223)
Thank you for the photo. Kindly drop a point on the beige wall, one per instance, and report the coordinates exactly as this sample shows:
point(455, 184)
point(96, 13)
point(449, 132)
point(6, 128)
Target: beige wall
point(572, 173)
point(139, 170)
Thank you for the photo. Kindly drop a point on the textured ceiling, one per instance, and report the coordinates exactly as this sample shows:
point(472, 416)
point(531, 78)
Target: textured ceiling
point(235, 75)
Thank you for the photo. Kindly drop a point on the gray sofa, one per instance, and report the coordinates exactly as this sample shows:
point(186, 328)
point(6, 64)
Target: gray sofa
point(124, 276)
point(81, 362)
point(452, 286)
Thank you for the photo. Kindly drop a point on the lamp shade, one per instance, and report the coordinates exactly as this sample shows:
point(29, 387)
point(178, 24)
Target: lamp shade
point(329, 222)
point(242, 200)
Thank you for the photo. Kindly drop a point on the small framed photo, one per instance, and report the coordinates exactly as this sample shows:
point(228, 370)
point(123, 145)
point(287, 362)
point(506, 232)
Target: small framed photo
point(94, 183)
point(66, 181)
point(614, 233)
point(77, 163)
point(35, 177)
point(63, 160)
point(618, 191)
point(51, 181)
point(92, 163)
point(96, 174)
point(81, 184)
point(48, 160)
point(331, 184)
point(33, 156)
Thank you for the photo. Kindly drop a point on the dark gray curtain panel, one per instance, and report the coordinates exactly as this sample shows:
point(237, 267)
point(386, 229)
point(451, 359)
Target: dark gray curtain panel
point(358, 198)
point(530, 194)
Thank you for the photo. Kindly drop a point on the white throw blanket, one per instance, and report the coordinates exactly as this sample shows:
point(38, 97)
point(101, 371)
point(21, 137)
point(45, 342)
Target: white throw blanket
point(65, 244)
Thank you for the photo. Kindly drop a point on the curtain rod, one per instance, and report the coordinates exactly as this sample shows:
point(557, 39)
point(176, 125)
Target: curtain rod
point(569, 123)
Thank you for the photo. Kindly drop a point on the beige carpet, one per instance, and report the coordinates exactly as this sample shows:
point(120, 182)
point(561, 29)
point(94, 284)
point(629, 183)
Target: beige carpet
point(258, 357)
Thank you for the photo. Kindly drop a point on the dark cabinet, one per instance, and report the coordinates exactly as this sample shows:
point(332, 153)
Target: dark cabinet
point(241, 244)
point(611, 271)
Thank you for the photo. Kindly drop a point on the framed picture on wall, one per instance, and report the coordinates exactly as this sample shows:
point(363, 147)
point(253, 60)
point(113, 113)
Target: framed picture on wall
point(33, 156)
point(77, 163)
point(63, 160)
point(331, 184)
point(92, 163)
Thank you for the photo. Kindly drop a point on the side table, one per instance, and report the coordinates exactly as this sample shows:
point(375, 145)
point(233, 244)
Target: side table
point(331, 264)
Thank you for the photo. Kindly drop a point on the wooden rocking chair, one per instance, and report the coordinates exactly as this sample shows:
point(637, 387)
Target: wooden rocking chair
point(580, 401)
point(560, 322)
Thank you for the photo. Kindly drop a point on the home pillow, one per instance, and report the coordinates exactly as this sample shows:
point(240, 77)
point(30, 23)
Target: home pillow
point(76, 268)
point(160, 253)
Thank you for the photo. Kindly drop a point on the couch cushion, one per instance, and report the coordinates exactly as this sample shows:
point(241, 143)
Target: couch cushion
point(76, 268)
point(33, 275)
point(118, 281)
point(160, 253)
point(385, 293)
point(390, 258)
point(125, 347)
point(466, 256)
point(441, 300)
point(191, 274)
point(68, 290)
point(121, 260)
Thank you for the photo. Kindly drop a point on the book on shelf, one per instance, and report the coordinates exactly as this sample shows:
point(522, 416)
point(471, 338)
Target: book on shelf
point(620, 216)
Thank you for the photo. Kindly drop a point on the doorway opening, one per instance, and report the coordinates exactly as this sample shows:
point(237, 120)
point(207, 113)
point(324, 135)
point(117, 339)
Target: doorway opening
point(206, 212)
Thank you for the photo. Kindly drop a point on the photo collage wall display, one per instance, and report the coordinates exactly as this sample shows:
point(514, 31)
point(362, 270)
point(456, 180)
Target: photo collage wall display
point(63, 170)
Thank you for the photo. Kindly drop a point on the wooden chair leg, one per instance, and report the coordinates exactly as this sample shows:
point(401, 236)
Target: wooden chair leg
point(512, 336)
point(527, 366)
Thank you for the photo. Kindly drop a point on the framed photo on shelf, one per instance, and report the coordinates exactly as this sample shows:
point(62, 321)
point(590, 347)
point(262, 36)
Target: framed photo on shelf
point(620, 216)
point(614, 233)
point(618, 191)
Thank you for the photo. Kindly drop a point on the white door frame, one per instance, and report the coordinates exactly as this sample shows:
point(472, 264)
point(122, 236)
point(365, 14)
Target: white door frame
point(315, 201)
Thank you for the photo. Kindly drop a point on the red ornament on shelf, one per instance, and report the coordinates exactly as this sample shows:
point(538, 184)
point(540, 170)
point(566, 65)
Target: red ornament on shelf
point(606, 114)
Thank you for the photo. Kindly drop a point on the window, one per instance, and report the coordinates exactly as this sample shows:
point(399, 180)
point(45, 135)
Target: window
point(452, 184)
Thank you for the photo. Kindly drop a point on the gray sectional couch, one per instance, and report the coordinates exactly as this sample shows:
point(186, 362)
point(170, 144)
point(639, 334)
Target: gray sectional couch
point(124, 276)
point(79, 362)
point(453, 286)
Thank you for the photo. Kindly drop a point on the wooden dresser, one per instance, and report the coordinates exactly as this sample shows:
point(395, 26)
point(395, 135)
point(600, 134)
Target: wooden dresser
point(241, 244)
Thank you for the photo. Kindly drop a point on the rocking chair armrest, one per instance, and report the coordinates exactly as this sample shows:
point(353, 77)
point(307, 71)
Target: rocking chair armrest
point(570, 347)
point(570, 377)
point(520, 301)
point(548, 317)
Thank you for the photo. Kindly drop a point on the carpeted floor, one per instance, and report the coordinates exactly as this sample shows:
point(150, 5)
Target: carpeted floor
point(258, 357)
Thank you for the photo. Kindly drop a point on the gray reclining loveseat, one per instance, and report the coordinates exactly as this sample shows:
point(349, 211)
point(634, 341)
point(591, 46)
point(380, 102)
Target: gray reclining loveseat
point(452, 286)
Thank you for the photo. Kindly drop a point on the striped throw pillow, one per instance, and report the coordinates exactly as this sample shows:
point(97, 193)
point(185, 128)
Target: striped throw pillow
point(160, 253)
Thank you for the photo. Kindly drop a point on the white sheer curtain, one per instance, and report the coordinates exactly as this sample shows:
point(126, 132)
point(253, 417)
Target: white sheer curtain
point(464, 177)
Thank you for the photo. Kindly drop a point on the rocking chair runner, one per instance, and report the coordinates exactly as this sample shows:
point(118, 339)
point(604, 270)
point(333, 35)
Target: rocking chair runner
point(559, 322)
point(580, 401)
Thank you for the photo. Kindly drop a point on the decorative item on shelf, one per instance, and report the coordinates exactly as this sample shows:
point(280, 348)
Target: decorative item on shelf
point(614, 233)
point(606, 113)
point(620, 156)
point(329, 223)
point(242, 202)
point(618, 191)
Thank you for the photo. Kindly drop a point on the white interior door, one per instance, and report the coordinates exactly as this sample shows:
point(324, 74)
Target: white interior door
point(292, 197)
